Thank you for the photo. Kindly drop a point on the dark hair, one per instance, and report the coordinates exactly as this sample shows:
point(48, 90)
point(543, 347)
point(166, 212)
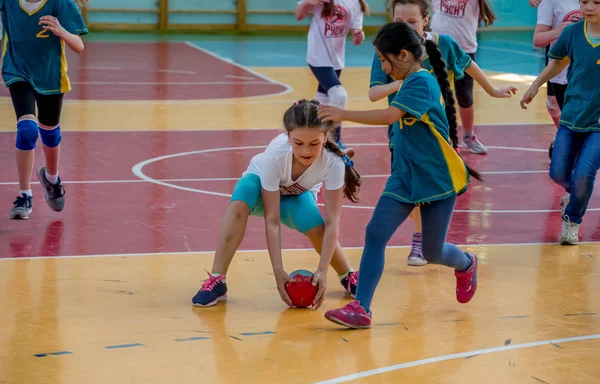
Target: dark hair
point(425, 6)
point(397, 36)
point(304, 114)
point(328, 8)
point(486, 13)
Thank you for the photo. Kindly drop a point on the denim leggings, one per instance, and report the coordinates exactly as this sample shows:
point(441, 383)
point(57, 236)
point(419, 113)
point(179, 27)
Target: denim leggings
point(388, 216)
point(575, 174)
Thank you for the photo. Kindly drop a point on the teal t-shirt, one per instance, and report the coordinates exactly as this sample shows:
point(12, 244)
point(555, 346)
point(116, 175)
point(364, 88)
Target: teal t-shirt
point(32, 54)
point(581, 109)
point(425, 167)
point(456, 60)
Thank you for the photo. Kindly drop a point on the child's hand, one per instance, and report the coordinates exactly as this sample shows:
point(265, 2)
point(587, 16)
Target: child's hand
point(330, 113)
point(528, 96)
point(504, 93)
point(52, 24)
point(358, 36)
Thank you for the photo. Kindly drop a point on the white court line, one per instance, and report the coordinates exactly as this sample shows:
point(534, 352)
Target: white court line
point(454, 356)
point(265, 251)
point(288, 89)
point(103, 68)
point(239, 77)
point(169, 82)
point(189, 180)
point(548, 125)
point(137, 171)
point(177, 71)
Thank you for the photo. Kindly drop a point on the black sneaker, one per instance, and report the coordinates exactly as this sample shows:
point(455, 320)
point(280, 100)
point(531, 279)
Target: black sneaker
point(54, 193)
point(22, 207)
point(349, 283)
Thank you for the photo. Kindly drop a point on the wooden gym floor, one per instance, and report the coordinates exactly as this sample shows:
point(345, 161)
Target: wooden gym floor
point(155, 136)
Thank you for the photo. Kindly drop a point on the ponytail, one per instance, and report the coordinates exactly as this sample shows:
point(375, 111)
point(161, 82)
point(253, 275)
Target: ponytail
point(486, 13)
point(328, 8)
point(364, 7)
point(352, 180)
point(439, 69)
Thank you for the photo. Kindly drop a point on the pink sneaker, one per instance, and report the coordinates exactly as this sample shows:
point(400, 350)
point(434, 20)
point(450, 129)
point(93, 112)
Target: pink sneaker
point(466, 281)
point(353, 315)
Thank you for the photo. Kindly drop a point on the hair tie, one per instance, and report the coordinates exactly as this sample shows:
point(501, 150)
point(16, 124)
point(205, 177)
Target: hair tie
point(457, 150)
point(296, 103)
point(347, 161)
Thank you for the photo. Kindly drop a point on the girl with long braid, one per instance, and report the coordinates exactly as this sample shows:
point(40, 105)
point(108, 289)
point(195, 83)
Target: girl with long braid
point(426, 169)
point(417, 14)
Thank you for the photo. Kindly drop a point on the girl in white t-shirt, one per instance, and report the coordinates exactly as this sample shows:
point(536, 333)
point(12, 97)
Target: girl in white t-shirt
point(553, 16)
point(460, 19)
point(281, 185)
point(331, 21)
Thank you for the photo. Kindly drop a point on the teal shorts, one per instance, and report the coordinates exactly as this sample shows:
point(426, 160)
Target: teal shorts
point(299, 212)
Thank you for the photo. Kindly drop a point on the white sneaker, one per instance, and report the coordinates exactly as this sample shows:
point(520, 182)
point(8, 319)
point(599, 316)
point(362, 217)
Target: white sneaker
point(474, 145)
point(564, 202)
point(570, 232)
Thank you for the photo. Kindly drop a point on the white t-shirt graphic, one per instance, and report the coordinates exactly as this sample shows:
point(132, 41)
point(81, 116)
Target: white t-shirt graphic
point(327, 37)
point(459, 19)
point(553, 13)
point(274, 167)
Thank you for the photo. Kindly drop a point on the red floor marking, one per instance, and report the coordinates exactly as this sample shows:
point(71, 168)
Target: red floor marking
point(146, 218)
point(157, 71)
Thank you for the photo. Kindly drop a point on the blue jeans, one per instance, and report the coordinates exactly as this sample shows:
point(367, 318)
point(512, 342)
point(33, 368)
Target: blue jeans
point(575, 174)
point(388, 216)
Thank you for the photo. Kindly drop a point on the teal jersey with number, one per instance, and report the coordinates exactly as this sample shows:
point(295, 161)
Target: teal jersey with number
point(581, 109)
point(425, 167)
point(456, 60)
point(32, 54)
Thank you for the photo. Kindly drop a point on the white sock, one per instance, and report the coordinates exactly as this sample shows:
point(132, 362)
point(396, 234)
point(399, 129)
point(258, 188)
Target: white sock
point(342, 277)
point(217, 275)
point(51, 178)
point(27, 192)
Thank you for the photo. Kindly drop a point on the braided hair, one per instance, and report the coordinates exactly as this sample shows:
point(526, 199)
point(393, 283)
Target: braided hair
point(397, 36)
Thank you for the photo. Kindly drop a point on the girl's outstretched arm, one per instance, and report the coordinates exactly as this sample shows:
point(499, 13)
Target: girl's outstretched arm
point(372, 117)
point(553, 68)
point(477, 74)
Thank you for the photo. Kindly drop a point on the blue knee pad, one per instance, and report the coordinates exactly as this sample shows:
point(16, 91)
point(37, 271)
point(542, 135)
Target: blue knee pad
point(27, 135)
point(50, 137)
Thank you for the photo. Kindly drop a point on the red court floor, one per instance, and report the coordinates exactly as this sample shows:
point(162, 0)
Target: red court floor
point(158, 71)
point(110, 210)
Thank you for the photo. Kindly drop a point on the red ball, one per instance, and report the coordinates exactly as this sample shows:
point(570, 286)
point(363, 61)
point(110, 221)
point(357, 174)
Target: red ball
point(300, 289)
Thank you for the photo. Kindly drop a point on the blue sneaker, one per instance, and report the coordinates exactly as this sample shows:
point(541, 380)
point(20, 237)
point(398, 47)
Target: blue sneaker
point(213, 290)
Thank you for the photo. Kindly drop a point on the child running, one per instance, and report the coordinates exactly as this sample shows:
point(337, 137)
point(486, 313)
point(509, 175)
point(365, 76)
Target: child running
point(281, 184)
point(416, 13)
point(426, 169)
point(576, 156)
point(34, 69)
point(552, 17)
point(331, 21)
